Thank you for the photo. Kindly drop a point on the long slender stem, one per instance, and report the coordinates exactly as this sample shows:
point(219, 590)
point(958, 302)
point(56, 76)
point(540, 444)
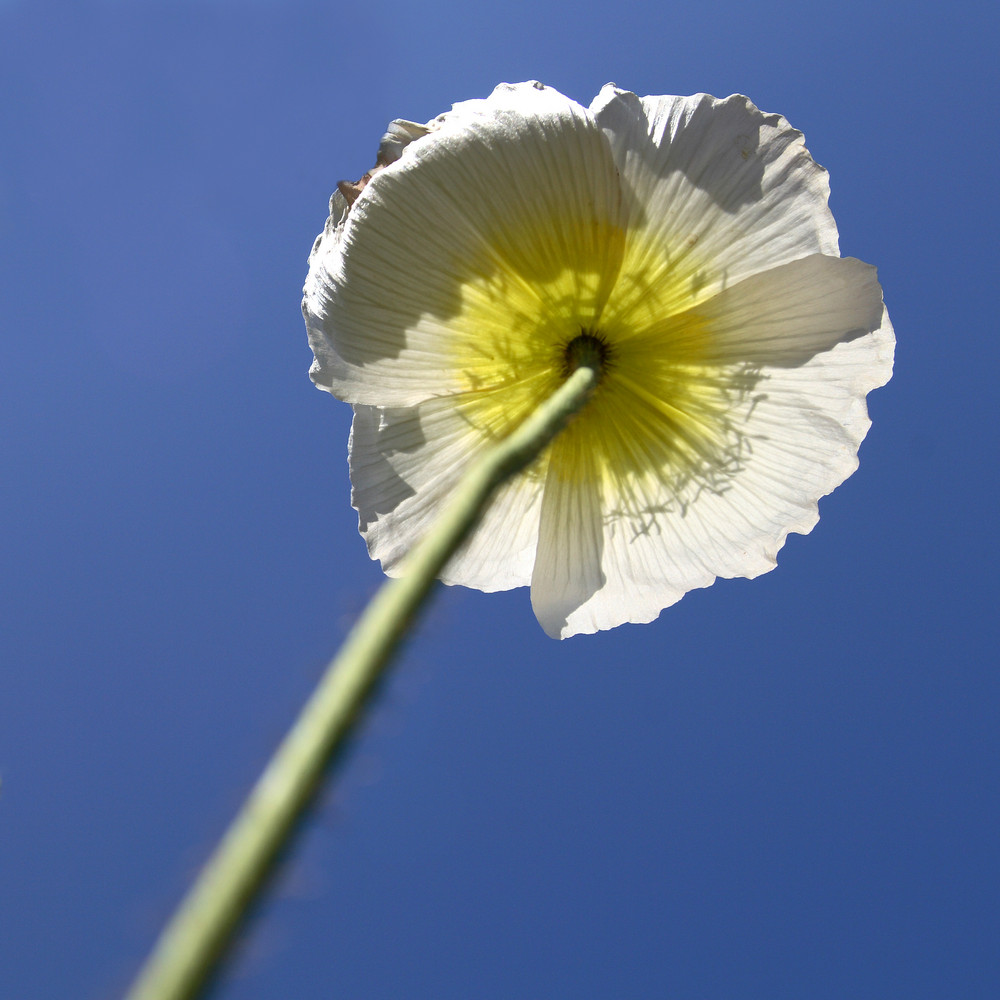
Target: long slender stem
point(194, 942)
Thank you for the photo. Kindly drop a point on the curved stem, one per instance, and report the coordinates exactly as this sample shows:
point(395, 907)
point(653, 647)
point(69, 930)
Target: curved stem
point(194, 942)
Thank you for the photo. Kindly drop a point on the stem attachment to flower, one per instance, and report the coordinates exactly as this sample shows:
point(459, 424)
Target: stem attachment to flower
point(193, 944)
point(588, 350)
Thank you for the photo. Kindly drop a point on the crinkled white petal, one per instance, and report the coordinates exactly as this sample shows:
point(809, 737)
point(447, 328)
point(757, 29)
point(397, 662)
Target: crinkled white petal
point(505, 186)
point(694, 237)
point(405, 465)
point(799, 416)
point(725, 189)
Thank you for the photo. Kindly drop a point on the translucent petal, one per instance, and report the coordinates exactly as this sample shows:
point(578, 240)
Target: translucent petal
point(488, 239)
point(716, 188)
point(567, 571)
point(405, 464)
point(795, 430)
point(692, 238)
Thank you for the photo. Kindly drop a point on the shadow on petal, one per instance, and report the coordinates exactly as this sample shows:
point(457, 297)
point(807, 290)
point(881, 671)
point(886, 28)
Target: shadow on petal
point(375, 434)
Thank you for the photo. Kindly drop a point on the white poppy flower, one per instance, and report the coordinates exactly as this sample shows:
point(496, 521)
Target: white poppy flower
point(690, 238)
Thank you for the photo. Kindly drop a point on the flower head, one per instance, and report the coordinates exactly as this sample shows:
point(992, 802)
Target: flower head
point(689, 242)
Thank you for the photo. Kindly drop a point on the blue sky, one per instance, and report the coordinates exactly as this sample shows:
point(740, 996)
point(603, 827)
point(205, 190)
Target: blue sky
point(782, 788)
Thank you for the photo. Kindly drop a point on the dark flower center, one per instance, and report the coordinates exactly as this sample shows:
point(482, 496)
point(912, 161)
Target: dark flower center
point(587, 348)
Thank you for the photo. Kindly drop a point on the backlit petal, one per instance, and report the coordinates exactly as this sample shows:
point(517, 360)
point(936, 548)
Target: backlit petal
point(406, 463)
point(480, 239)
point(570, 546)
point(795, 428)
point(787, 315)
point(691, 240)
point(717, 188)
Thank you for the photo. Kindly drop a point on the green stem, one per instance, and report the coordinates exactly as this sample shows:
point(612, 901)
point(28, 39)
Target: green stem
point(193, 944)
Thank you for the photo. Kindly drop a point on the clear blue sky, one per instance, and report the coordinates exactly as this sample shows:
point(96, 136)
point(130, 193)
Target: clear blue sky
point(784, 788)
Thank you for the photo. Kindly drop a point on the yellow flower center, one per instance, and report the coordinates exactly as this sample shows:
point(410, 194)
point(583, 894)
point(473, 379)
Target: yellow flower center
point(659, 413)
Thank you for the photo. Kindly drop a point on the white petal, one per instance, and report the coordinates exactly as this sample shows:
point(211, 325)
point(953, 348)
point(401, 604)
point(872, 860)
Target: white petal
point(693, 235)
point(798, 428)
point(789, 314)
point(519, 191)
point(405, 464)
point(722, 188)
point(567, 571)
